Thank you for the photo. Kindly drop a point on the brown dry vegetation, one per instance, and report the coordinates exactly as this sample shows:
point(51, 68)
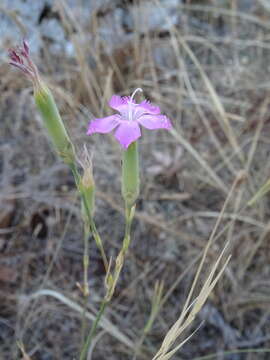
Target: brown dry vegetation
point(213, 82)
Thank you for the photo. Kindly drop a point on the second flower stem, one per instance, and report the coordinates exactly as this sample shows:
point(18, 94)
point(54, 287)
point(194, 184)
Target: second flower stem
point(90, 220)
point(118, 267)
point(91, 334)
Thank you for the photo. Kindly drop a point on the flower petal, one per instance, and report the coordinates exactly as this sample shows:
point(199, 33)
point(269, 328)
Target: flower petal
point(103, 125)
point(152, 122)
point(120, 103)
point(127, 132)
point(147, 107)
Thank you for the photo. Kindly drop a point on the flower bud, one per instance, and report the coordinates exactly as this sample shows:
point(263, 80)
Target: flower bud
point(87, 183)
point(20, 58)
point(53, 122)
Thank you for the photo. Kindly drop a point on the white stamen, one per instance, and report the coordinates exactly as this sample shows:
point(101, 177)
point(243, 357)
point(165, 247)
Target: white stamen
point(134, 93)
point(130, 103)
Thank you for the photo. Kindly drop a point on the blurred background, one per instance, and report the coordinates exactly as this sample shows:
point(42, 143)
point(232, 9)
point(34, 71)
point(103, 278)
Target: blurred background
point(206, 64)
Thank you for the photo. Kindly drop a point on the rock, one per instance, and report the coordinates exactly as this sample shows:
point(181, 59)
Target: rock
point(150, 18)
point(36, 20)
point(117, 21)
point(19, 19)
point(51, 30)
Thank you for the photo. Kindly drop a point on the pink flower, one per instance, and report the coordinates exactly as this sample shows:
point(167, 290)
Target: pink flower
point(127, 122)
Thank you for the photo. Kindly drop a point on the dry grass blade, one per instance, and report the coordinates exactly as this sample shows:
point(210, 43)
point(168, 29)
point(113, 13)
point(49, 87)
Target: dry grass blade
point(219, 183)
point(93, 87)
point(223, 120)
point(172, 352)
point(181, 324)
point(255, 249)
point(227, 12)
point(24, 354)
point(15, 18)
point(233, 352)
point(104, 323)
point(210, 241)
point(256, 137)
point(260, 193)
point(206, 122)
point(188, 316)
point(233, 216)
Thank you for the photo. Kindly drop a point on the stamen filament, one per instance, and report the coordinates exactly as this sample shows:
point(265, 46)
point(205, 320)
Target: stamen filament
point(130, 103)
point(134, 93)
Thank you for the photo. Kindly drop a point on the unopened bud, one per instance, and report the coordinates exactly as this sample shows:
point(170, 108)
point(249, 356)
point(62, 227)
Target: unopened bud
point(87, 184)
point(20, 58)
point(53, 123)
point(87, 178)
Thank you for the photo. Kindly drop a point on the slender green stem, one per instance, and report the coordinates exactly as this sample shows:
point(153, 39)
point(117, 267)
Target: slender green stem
point(89, 225)
point(86, 261)
point(84, 322)
point(56, 129)
point(99, 244)
point(91, 222)
point(92, 332)
point(126, 241)
point(117, 272)
point(85, 279)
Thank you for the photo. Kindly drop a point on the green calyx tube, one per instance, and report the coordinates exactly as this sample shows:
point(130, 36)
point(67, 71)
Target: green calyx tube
point(130, 174)
point(53, 123)
point(87, 187)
